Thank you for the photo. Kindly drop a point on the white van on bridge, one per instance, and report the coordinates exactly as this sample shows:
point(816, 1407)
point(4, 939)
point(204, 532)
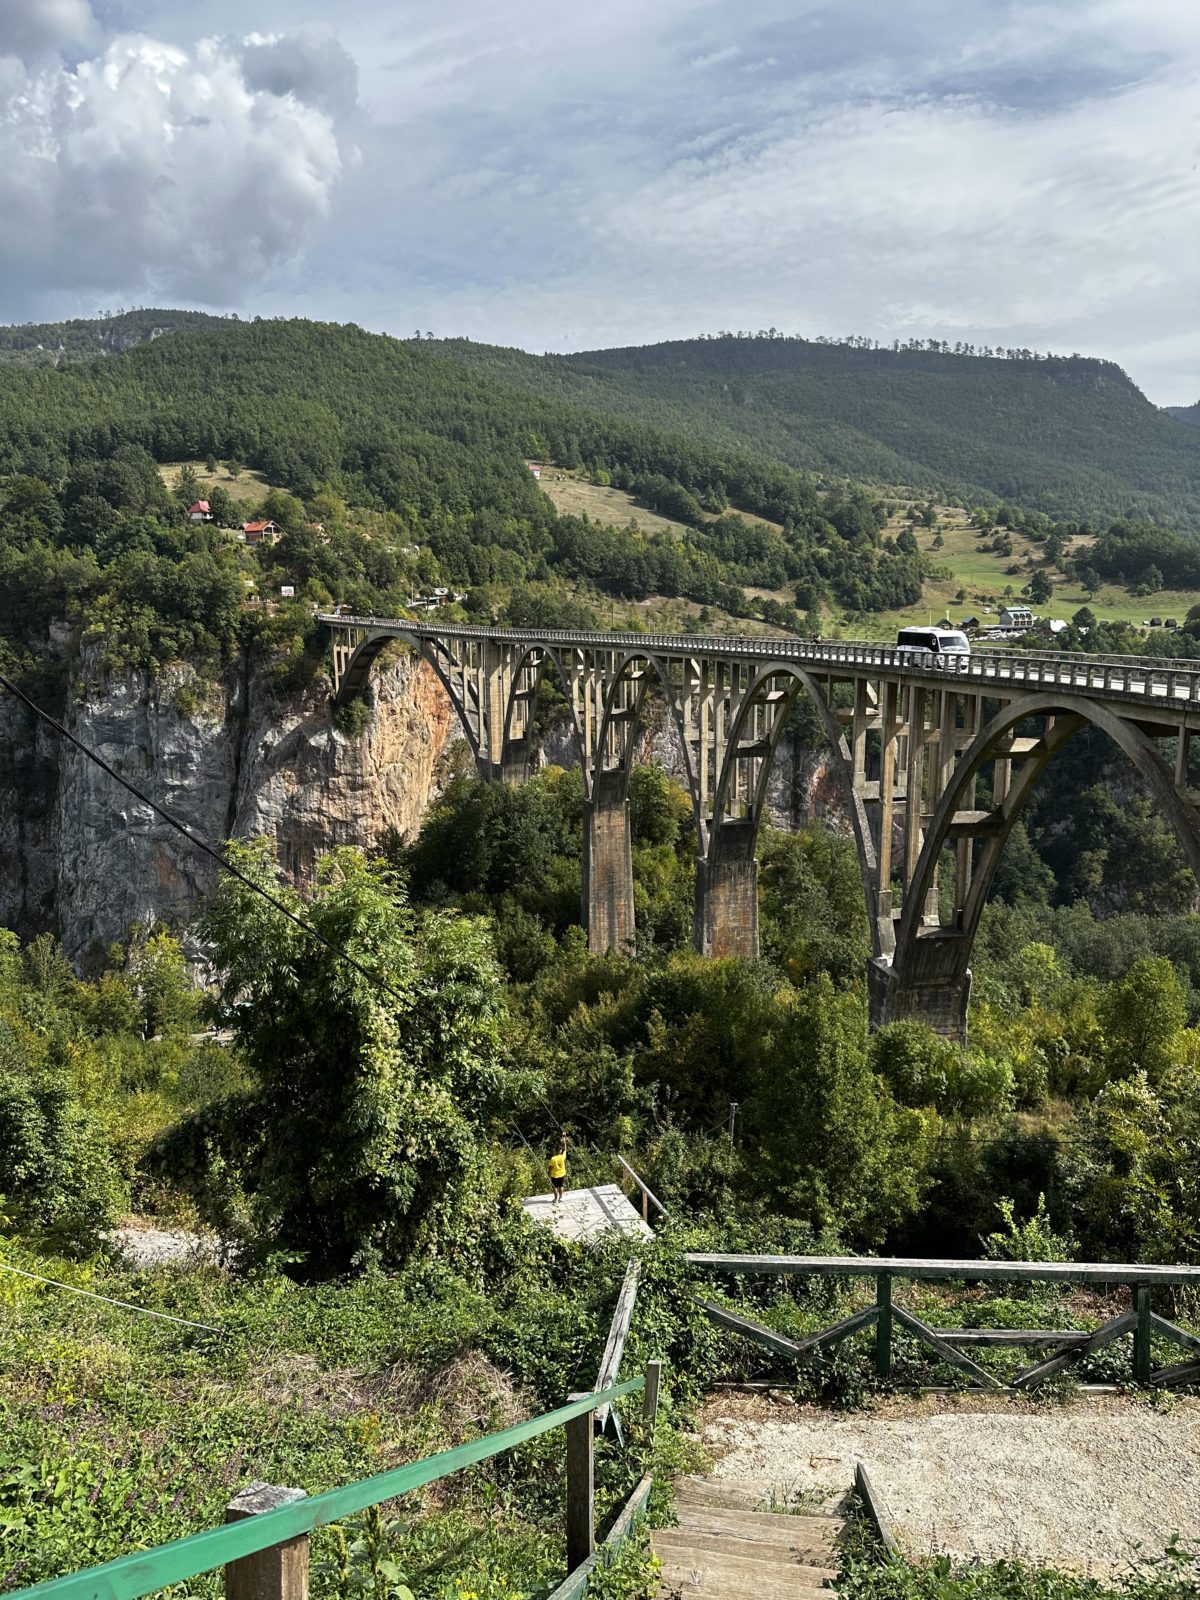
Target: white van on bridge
point(932, 642)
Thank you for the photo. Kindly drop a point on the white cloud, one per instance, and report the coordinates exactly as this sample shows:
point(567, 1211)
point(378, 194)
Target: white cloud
point(28, 27)
point(154, 170)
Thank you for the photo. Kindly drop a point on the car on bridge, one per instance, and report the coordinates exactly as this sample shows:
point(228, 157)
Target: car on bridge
point(932, 642)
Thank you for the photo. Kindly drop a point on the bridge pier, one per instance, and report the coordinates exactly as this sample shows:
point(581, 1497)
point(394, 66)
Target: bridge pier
point(934, 987)
point(608, 868)
point(726, 917)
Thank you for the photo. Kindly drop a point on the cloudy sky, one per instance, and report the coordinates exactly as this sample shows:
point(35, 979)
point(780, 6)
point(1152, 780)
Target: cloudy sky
point(561, 176)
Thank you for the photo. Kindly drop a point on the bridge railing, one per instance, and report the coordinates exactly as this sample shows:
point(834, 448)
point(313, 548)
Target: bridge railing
point(1066, 1347)
point(264, 1543)
point(1120, 676)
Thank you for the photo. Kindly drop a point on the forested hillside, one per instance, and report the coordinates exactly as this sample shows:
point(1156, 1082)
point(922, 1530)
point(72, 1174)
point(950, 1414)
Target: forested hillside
point(1067, 435)
point(1188, 414)
point(49, 343)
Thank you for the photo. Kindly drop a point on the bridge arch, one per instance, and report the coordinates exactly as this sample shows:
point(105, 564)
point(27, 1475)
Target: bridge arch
point(929, 960)
point(534, 661)
point(882, 936)
point(621, 721)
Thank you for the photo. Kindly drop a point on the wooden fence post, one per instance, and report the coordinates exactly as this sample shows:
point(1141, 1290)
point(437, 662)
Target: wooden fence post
point(650, 1395)
point(280, 1573)
point(1141, 1333)
point(581, 1507)
point(883, 1325)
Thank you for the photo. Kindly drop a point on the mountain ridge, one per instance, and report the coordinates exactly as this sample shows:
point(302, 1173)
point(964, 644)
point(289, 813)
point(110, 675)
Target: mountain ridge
point(1071, 436)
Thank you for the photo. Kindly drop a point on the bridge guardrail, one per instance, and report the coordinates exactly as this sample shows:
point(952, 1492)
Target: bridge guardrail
point(1138, 678)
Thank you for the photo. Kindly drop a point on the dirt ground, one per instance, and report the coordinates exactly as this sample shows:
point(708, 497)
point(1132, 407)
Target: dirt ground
point(1088, 1484)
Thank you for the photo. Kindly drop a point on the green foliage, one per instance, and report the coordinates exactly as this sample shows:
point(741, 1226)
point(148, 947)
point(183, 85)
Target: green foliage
point(1031, 1240)
point(1133, 1169)
point(846, 1156)
point(367, 1088)
point(1172, 1576)
point(812, 910)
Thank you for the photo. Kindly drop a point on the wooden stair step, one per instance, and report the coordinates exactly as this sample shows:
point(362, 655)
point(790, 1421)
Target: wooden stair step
point(716, 1579)
point(716, 1493)
point(772, 1527)
point(674, 1543)
point(753, 1540)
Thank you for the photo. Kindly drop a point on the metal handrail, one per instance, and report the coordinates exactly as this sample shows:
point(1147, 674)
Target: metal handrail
point(145, 1571)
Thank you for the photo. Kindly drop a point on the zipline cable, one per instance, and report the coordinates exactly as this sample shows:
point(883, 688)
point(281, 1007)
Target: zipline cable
point(109, 1299)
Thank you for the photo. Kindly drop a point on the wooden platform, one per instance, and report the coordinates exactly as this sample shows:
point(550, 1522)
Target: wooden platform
point(586, 1213)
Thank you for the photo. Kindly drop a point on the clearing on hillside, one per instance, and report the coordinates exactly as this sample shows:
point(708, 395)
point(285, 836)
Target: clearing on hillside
point(577, 497)
point(248, 486)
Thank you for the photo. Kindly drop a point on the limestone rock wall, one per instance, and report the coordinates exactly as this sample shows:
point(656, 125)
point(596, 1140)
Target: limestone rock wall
point(80, 855)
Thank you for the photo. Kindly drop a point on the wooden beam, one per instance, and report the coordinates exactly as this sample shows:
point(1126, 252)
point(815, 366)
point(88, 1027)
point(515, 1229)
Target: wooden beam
point(998, 1338)
point(618, 1332)
point(883, 1325)
point(946, 1351)
point(754, 1331)
point(1103, 1336)
point(1171, 1330)
point(278, 1573)
point(581, 1490)
point(917, 1267)
point(1141, 1333)
point(1171, 1377)
point(876, 1509)
point(650, 1395)
point(779, 1341)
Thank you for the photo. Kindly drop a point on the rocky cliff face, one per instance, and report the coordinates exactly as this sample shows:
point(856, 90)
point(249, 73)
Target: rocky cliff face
point(81, 855)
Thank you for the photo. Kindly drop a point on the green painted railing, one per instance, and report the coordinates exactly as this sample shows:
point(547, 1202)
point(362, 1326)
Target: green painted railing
point(146, 1571)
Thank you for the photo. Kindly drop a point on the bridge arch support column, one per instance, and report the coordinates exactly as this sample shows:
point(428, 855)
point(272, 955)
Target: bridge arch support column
point(726, 915)
point(933, 987)
point(608, 866)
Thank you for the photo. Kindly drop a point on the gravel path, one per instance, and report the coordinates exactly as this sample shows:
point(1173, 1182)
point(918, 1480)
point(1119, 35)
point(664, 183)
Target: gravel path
point(1081, 1485)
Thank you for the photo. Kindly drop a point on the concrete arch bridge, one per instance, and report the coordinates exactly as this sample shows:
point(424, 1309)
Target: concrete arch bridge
point(916, 742)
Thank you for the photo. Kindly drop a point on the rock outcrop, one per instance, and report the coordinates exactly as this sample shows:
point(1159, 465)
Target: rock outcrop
point(79, 854)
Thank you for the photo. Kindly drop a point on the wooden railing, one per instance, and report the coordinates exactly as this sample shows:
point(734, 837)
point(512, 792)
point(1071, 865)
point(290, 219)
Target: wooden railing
point(263, 1546)
point(649, 1198)
point(1066, 1346)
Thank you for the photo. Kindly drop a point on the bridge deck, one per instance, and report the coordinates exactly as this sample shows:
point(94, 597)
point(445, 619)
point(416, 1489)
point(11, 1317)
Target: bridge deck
point(1161, 681)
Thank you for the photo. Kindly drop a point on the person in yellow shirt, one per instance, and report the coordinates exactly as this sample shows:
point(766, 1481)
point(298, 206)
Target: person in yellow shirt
point(558, 1170)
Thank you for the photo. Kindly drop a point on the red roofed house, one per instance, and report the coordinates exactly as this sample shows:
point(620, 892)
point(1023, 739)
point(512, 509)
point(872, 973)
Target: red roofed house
point(200, 512)
point(260, 532)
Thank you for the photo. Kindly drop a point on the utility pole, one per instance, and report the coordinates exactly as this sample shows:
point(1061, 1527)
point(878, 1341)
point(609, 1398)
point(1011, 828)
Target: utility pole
point(733, 1111)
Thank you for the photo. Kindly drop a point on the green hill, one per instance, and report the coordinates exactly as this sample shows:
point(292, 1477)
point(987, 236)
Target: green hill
point(1188, 414)
point(431, 439)
point(49, 343)
point(1067, 435)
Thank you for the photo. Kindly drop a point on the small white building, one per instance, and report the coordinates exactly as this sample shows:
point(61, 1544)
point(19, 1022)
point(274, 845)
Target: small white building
point(199, 512)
